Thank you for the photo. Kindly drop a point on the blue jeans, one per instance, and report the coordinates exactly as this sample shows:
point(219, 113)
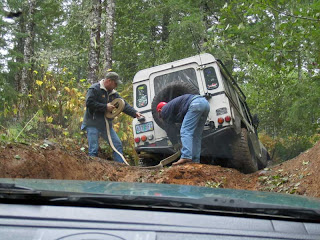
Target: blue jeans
point(93, 134)
point(192, 128)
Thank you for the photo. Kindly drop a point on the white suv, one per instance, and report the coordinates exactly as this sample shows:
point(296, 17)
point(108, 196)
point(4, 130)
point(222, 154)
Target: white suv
point(230, 135)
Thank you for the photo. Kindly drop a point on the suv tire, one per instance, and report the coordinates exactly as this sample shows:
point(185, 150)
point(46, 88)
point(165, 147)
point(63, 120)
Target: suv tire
point(170, 92)
point(264, 159)
point(244, 158)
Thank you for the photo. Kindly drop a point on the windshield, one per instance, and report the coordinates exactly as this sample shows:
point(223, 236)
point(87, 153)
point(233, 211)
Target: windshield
point(246, 129)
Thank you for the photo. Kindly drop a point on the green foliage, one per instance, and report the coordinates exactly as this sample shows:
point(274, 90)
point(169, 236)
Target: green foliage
point(285, 104)
point(8, 96)
point(212, 184)
point(8, 135)
point(155, 32)
point(59, 99)
point(285, 148)
point(291, 147)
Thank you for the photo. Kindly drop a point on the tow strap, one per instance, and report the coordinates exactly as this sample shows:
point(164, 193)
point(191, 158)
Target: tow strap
point(119, 106)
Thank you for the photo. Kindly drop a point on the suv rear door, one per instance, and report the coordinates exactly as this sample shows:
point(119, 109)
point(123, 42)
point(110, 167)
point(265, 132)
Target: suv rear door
point(179, 74)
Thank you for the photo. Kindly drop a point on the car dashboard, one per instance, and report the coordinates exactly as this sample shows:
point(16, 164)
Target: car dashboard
point(19, 221)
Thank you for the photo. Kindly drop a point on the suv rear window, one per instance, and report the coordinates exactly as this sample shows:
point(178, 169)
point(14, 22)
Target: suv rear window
point(186, 75)
point(142, 96)
point(211, 78)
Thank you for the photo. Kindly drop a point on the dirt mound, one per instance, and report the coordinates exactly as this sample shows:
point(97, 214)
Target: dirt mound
point(299, 175)
point(296, 176)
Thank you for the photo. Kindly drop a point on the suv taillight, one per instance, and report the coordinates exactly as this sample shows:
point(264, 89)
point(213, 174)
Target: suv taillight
point(220, 120)
point(143, 138)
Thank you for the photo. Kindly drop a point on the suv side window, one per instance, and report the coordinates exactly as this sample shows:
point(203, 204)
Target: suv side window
point(142, 96)
point(230, 90)
point(210, 77)
point(245, 111)
point(185, 75)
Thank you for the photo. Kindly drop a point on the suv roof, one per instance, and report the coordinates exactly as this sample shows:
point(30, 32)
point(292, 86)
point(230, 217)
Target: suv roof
point(200, 59)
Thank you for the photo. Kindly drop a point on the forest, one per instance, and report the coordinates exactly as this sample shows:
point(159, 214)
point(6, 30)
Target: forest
point(51, 51)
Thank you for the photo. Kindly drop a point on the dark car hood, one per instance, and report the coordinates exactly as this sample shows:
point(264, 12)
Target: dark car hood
point(166, 190)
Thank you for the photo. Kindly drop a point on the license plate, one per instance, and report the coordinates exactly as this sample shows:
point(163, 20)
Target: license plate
point(144, 127)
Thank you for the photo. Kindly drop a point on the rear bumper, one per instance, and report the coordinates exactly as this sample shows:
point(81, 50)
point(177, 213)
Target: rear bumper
point(155, 149)
point(215, 143)
point(218, 143)
point(223, 135)
point(161, 147)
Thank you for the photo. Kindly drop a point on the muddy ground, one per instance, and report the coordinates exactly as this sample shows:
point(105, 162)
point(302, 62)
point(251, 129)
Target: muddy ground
point(296, 176)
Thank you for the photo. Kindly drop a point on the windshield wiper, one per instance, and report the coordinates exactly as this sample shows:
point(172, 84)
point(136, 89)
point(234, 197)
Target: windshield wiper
point(11, 188)
point(9, 191)
point(207, 205)
point(203, 205)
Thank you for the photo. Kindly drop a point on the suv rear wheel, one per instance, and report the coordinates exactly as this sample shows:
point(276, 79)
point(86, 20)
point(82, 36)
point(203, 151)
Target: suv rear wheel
point(265, 158)
point(244, 158)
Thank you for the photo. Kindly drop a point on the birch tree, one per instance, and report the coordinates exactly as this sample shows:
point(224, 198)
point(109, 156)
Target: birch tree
point(110, 12)
point(94, 49)
point(28, 47)
point(20, 49)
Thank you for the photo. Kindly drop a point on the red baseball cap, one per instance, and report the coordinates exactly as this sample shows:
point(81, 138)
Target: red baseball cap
point(160, 105)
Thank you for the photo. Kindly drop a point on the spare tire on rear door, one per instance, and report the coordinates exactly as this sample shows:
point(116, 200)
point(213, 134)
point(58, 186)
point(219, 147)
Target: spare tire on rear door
point(170, 92)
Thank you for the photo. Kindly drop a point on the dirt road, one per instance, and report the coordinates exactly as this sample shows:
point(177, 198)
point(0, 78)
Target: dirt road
point(297, 176)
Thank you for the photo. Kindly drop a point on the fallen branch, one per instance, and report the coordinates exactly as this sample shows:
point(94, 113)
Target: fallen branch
point(26, 125)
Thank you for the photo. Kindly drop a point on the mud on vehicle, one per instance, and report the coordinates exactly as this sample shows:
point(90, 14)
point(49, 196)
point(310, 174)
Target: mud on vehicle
point(230, 134)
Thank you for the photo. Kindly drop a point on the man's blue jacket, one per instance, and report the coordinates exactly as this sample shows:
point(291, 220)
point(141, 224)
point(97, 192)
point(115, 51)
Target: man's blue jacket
point(174, 112)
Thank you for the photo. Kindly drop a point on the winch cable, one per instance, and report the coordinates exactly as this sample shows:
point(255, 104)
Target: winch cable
point(119, 106)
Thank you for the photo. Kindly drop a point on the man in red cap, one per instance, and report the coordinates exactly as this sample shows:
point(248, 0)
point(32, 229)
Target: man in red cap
point(192, 111)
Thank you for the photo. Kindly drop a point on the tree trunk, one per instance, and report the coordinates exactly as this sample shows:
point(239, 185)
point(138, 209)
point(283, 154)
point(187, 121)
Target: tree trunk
point(153, 40)
point(20, 49)
point(299, 66)
point(94, 49)
point(28, 48)
point(165, 23)
point(110, 11)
